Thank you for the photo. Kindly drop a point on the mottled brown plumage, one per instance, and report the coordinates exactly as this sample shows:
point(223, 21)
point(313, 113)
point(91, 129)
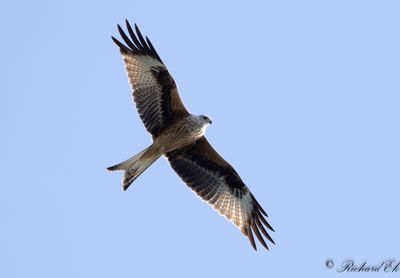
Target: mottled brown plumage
point(179, 136)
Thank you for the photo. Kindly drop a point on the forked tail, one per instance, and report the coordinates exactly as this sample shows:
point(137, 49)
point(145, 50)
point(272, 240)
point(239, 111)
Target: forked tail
point(136, 165)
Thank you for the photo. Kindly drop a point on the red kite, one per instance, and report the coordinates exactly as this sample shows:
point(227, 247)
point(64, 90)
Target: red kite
point(179, 136)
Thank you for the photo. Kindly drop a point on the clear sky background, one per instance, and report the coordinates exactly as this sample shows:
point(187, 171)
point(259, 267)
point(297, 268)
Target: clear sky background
point(305, 99)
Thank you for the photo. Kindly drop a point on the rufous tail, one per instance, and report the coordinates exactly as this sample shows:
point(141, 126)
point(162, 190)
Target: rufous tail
point(136, 165)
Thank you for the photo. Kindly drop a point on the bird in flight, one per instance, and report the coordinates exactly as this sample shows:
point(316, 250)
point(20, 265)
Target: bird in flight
point(179, 136)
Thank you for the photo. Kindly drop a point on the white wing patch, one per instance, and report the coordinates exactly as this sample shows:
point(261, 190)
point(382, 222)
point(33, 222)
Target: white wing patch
point(139, 69)
point(237, 210)
point(221, 198)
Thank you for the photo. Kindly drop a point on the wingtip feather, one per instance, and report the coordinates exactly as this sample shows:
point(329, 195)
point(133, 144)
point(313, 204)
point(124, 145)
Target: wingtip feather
point(251, 238)
point(258, 235)
point(137, 44)
point(112, 168)
point(121, 46)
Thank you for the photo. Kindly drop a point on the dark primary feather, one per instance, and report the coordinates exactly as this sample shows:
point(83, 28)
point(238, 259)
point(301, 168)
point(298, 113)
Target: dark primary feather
point(133, 36)
point(216, 181)
point(122, 47)
point(251, 238)
point(142, 41)
point(136, 46)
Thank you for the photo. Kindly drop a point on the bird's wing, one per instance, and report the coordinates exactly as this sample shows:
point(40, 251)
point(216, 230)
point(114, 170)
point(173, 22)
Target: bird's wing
point(215, 181)
point(154, 90)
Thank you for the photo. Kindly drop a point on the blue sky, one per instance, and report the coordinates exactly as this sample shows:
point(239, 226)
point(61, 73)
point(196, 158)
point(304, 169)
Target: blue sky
point(304, 97)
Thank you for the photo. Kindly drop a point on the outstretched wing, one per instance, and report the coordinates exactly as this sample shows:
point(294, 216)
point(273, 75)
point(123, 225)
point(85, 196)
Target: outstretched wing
point(216, 182)
point(154, 90)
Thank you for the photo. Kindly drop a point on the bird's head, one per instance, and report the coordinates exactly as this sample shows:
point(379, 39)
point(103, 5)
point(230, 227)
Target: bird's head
point(205, 119)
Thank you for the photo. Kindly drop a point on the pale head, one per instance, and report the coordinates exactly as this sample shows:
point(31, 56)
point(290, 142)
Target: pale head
point(205, 119)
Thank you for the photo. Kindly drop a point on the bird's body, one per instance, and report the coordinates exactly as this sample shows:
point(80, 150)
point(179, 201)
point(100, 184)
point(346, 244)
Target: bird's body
point(182, 133)
point(179, 136)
